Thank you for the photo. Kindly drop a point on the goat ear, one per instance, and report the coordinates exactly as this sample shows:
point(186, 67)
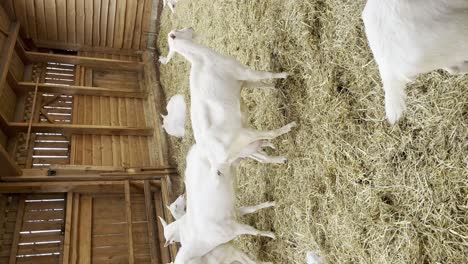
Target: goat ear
point(163, 222)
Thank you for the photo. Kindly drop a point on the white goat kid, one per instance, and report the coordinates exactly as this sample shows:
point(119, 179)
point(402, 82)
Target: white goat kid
point(210, 219)
point(171, 4)
point(177, 208)
point(174, 121)
point(412, 37)
point(215, 85)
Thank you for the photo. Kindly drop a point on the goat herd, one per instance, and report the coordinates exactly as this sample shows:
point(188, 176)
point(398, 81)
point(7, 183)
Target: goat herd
point(406, 37)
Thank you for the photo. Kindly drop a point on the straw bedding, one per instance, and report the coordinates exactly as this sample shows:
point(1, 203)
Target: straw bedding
point(355, 189)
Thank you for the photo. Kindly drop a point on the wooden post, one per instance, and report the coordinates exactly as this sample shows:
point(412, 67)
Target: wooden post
point(68, 229)
point(128, 204)
point(74, 237)
point(85, 229)
point(18, 226)
point(152, 231)
point(31, 118)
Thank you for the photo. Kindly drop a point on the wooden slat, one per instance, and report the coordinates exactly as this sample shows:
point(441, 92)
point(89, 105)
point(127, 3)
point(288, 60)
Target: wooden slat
point(40, 237)
point(48, 187)
point(85, 61)
point(15, 127)
point(51, 19)
point(138, 24)
point(96, 23)
point(130, 16)
point(62, 20)
point(31, 16)
point(41, 19)
point(18, 228)
point(80, 22)
point(24, 87)
point(128, 210)
point(103, 22)
point(38, 260)
point(88, 7)
point(119, 24)
point(71, 24)
point(85, 229)
point(152, 231)
point(111, 22)
point(145, 24)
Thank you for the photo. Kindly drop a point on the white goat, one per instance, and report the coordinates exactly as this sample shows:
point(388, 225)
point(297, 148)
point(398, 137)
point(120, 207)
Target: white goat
point(210, 219)
point(215, 86)
point(171, 4)
point(174, 121)
point(178, 207)
point(226, 254)
point(409, 37)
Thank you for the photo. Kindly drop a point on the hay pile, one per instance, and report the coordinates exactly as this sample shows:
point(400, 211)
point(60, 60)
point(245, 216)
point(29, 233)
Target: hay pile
point(355, 189)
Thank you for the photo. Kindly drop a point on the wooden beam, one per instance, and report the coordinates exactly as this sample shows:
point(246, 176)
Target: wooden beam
point(81, 178)
point(62, 187)
point(8, 165)
point(8, 50)
point(128, 210)
point(16, 127)
point(68, 229)
point(80, 47)
point(152, 231)
point(85, 229)
point(18, 226)
point(24, 87)
point(86, 61)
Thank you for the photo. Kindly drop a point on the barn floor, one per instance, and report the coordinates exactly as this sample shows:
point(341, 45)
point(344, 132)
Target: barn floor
point(355, 189)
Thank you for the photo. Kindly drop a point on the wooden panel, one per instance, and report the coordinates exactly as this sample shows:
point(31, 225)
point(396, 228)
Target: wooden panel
point(71, 21)
point(51, 19)
point(111, 22)
point(80, 22)
point(85, 229)
point(62, 19)
point(119, 24)
point(41, 19)
point(88, 5)
point(7, 52)
point(103, 22)
point(128, 210)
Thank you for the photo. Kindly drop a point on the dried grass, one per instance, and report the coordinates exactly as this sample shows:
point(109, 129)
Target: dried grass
point(355, 189)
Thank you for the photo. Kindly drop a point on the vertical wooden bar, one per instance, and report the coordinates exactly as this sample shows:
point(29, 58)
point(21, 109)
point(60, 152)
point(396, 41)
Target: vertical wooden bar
point(166, 201)
point(85, 229)
point(68, 223)
point(128, 206)
point(159, 206)
point(152, 231)
point(74, 235)
point(18, 226)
